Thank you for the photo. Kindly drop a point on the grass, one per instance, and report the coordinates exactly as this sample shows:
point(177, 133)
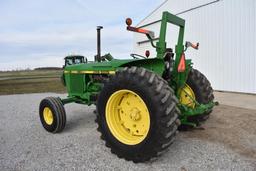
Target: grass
point(20, 82)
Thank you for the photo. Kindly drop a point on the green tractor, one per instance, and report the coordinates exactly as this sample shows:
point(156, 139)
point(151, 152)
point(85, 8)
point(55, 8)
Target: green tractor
point(140, 102)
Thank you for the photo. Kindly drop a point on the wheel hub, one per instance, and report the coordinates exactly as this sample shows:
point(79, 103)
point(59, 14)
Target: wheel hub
point(187, 96)
point(48, 116)
point(127, 117)
point(135, 114)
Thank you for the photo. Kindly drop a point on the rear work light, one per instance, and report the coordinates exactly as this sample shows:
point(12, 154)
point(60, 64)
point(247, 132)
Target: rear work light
point(128, 21)
point(182, 64)
point(138, 30)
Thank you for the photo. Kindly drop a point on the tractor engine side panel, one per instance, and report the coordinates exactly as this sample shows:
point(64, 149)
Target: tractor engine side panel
point(75, 84)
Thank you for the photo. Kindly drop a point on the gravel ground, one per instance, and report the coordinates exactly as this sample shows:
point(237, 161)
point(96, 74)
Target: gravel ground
point(222, 144)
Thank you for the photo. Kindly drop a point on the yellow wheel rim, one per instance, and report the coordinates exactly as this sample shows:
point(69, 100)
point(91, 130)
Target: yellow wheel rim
point(187, 96)
point(127, 117)
point(48, 116)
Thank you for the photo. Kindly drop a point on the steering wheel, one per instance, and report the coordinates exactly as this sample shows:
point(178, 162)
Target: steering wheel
point(137, 56)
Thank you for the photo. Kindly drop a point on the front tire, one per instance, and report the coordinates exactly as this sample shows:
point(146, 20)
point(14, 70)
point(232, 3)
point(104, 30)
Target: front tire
point(52, 114)
point(137, 114)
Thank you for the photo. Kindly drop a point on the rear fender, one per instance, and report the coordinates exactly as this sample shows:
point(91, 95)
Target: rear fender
point(155, 65)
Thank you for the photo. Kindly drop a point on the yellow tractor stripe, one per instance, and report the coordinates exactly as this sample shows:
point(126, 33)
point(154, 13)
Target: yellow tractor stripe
point(86, 72)
point(74, 72)
point(90, 72)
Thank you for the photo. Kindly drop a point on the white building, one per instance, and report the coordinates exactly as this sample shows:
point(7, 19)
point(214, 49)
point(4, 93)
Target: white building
point(225, 30)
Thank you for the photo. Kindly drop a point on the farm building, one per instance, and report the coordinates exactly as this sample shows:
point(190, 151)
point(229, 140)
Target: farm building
point(225, 30)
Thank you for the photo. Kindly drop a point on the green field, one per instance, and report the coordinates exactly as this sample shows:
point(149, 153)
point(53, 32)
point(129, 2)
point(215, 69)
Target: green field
point(35, 81)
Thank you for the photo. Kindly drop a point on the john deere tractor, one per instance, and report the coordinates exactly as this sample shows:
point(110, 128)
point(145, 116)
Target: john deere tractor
point(141, 102)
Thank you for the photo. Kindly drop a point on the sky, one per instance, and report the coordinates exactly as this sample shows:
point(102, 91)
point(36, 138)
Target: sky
point(41, 33)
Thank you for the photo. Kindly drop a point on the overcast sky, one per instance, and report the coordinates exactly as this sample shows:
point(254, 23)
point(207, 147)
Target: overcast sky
point(36, 33)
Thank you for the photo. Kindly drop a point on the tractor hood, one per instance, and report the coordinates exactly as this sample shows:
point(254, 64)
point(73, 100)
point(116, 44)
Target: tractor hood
point(154, 64)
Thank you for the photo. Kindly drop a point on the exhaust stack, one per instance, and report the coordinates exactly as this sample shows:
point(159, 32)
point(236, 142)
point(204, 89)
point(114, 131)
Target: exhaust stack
point(98, 56)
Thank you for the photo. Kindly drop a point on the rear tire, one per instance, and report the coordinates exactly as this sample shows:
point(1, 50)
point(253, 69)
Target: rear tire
point(52, 114)
point(203, 91)
point(161, 103)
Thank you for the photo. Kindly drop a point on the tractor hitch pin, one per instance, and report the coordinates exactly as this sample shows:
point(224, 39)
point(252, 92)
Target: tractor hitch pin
point(98, 56)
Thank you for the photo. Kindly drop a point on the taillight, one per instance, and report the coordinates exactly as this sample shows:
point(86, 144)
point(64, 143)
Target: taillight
point(182, 64)
point(147, 53)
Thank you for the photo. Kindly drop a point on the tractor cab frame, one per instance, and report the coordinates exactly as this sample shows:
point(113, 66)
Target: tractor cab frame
point(74, 59)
